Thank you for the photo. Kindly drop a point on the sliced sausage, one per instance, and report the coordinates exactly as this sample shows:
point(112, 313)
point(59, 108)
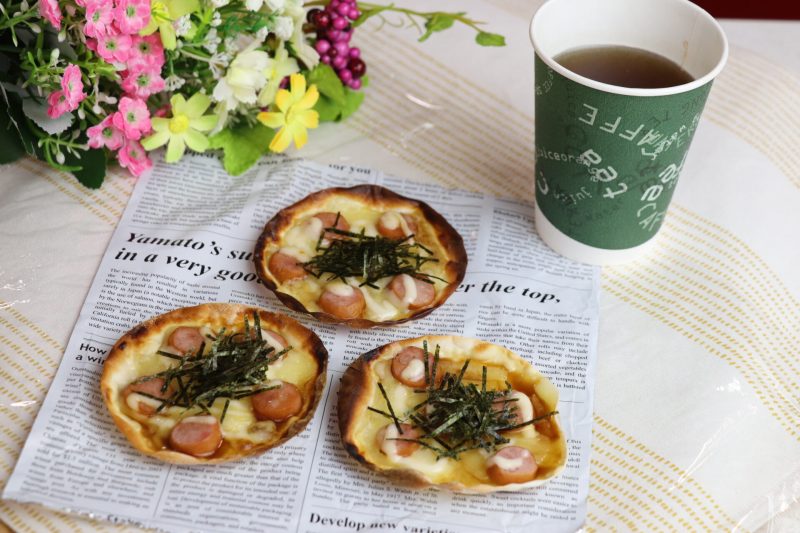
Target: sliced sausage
point(278, 404)
point(196, 435)
point(545, 426)
point(145, 404)
point(286, 267)
point(342, 301)
point(519, 404)
point(186, 339)
point(512, 464)
point(411, 292)
point(394, 225)
point(386, 440)
point(408, 366)
point(276, 340)
point(328, 220)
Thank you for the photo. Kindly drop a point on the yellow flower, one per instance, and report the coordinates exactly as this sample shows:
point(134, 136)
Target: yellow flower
point(295, 115)
point(163, 13)
point(184, 128)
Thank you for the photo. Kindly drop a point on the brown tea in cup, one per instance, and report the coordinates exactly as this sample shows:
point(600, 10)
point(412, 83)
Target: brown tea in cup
point(624, 66)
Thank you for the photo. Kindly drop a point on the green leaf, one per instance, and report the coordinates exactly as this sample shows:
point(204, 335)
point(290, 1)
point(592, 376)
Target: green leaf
point(354, 100)
point(92, 167)
point(331, 111)
point(9, 139)
point(242, 145)
point(328, 83)
point(15, 137)
point(367, 14)
point(485, 38)
point(438, 22)
point(328, 110)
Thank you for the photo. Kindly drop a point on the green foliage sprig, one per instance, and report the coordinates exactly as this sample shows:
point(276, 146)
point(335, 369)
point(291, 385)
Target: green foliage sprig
point(434, 21)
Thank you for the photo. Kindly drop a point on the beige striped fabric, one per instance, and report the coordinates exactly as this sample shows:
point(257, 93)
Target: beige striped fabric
point(697, 418)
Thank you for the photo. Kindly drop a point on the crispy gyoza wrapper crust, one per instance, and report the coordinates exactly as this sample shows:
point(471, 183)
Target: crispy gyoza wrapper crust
point(216, 316)
point(357, 387)
point(449, 249)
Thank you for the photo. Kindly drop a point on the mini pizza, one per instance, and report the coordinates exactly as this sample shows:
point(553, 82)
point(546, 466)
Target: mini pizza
point(363, 256)
point(451, 412)
point(213, 383)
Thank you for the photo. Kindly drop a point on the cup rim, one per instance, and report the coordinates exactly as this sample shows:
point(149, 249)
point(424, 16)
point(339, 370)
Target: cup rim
point(634, 91)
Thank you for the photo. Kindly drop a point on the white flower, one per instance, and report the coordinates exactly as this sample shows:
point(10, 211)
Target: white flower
point(302, 49)
point(253, 5)
point(173, 82)
point(295, 9)
point(223, 93)
point(212, 41)
point(230, 45)
point(261, 34)
point(182, 25)
point(245, 77)
point(284, 28)
point(220, 3)
point(275, 5)
point(218, 63)
point(216, 19)
point(243, 41)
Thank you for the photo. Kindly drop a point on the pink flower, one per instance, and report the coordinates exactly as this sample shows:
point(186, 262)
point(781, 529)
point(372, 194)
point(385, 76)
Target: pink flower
point(146, 53)
point(99, 17)
point(132, 15)
point(142, 82)
point(58, 105)
point(105, 134)
point(70, 96)
point(48, 9)
point(133, 118)
point(114, 48)
point(72, 85)
point(133, 157)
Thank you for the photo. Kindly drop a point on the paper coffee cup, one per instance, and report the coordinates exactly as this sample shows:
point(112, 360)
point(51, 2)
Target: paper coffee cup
point(607, 157)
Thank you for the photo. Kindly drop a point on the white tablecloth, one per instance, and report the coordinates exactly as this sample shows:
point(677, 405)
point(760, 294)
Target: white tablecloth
point(697, 423)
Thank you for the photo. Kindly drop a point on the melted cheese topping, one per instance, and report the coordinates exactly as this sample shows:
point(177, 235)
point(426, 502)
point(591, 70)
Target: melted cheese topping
point(134, 399)
point(392, 220)
point(339, 289)
point(378, 308)
point(470, 467)
point(389, 444)
point(523, 405)
point(300, 254)
point(415, 370)
point(300, 241)
point(422, 459)
point(504, 463)
point(240, 426)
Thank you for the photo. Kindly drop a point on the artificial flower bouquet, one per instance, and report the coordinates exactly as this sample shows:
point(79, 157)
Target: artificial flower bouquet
point(86, 82)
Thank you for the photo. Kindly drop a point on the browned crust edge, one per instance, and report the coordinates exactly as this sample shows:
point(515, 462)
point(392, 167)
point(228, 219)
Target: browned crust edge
point(354, 393)
point(353, 399)
point(127, 345)
point(448, 237)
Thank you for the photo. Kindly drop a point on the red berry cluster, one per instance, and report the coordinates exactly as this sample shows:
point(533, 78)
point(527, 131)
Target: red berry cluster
point(334, 29)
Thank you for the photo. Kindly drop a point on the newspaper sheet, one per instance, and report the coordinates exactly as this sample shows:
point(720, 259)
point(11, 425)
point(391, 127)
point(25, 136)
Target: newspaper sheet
point(187, 237)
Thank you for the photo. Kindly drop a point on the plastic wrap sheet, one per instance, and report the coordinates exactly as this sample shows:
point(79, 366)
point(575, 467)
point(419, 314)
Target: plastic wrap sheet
point(697, 420)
